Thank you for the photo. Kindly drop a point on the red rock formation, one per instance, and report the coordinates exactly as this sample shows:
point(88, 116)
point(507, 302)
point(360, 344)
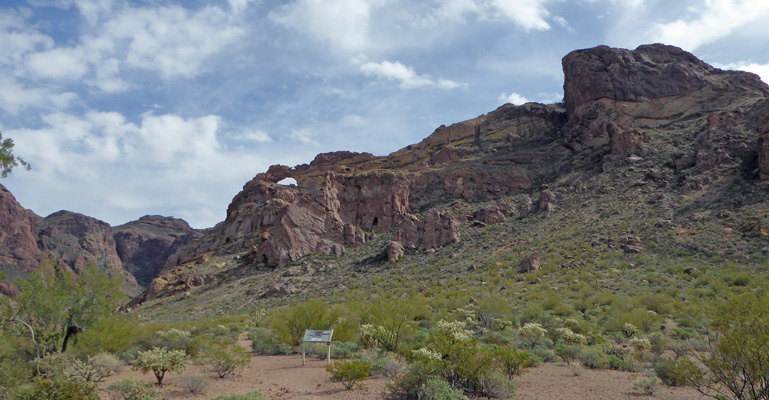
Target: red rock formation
point(77, 240)
point(18, 235)
point(145, 245)
point(432, 229)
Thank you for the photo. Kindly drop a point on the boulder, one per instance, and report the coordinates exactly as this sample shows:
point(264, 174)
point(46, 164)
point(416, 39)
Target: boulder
point(432, 229)
point(394, 251)
point(530, 263)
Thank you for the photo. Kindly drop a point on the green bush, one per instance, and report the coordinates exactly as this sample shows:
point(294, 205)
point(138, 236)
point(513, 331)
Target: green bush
point(593, 358)
point(438, 389)
point(566, 352)
point(247, 396)
point(177, 339)
point(225, 358)
point(193, 383)
point(263, 342)
point(114, 333)
point(128, 389)
point(349, 372)
point(160, 361)
point(290, 325)
point(512, 361)
point(646, 386)
point(681, 372)
point(339, 350)
point(60, 388)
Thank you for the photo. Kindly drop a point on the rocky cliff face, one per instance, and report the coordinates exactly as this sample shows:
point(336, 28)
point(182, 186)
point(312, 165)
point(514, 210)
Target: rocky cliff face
point(659, 102)
point(18, 236)
point(136, 250)
point(145, 245)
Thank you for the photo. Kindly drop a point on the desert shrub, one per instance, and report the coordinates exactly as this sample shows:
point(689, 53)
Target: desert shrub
point(593, 358)
point(438, 389)
point(109, 362)
point(87, 370)
point(736, 355)
point(60, 388)
point(646, 386)
point(263, 342)
point(640, 344)
point(680, 372)
point(454, 355)
point(567, 353)
point(160, 361)
point(247, 396)
point(386, 364)
point(113, 333)
point(629, 329)
point(658, 344)
point(290, 325)
point(128, 389)
point(531, 333)
point(571, 338)
point(512, 361)
point(349, 373)
point(542, 354)
point(225, 358)
point(496, 386)
point(177, 339)
point(386, 321)
point(339, 350)
point(193, 383)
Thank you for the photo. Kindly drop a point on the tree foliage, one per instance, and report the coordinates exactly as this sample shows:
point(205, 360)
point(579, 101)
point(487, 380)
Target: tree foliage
point(53, 307)
point(737, 355)
point(8, 161)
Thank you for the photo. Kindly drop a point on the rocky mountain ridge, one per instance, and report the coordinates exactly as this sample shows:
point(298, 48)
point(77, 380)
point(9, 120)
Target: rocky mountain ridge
point(680, 129)
point(692, 127)
point(70, 241)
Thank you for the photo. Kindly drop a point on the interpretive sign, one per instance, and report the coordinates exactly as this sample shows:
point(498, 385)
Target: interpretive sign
point(317, 336)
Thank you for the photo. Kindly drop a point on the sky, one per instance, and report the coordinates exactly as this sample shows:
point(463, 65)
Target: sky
point(165, 107)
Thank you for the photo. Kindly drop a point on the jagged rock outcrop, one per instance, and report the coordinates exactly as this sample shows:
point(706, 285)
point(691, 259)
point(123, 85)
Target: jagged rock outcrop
point(18, 236)
point(614, 96)
point(432, 229)
point(145, 245)
point(394, 251)
point(78, 240)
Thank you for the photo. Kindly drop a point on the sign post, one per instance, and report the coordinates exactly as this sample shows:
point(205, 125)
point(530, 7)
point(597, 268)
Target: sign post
point(317, 336)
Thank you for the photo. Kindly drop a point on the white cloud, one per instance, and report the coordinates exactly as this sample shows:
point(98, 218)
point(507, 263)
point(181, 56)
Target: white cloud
point(172, 40)
point(405, 76)
point(711, 21)
point(104, 163)
point(513, 98)
point(58, 63)
point(303, 135)
point(761, 70)
point(354, 120)
point(342, 23)
point(257, 135)
point(237, 6)
point(528, 14)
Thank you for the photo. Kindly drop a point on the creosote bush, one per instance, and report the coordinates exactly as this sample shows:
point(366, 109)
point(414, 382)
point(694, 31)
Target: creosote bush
point(349, 373)
point(128, 389)
point(194, 384)
point(225, 358)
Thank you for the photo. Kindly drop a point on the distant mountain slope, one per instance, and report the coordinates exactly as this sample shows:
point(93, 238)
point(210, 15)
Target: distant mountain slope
point(134, 251)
